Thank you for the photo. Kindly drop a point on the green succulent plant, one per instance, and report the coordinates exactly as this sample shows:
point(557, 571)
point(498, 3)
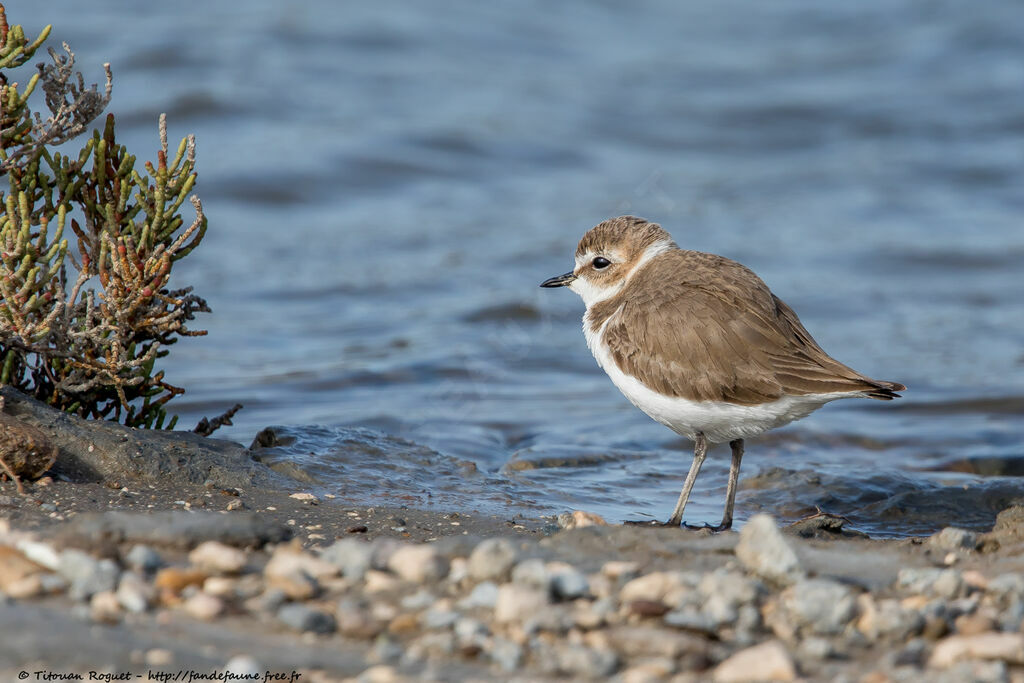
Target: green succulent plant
point(87, 245)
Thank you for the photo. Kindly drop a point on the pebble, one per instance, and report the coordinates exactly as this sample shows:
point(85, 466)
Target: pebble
point(244, 666)
point(104, 607)
point(578, 660)
point(578, 519)
point(492, 560)
point(215, 557)
point(952, 539)
point(1008, 647)
point(204, 606)
point(516, 603)
point(532, 572)
point(304, 618)
point(143, 558)
point(665, 587)
point(507, 654)
point(484, 594)
point(288, 560)
point(819, 606)
point(176, 579)
point(567, 582)
point(763, 551)
point(134, 593)
point(418, 563)
point(350, 555)
point(768, 661)
point(946, 583)
point(87, 575)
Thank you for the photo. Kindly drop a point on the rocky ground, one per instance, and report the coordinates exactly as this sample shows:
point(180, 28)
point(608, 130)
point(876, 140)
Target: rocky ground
point(185, 566)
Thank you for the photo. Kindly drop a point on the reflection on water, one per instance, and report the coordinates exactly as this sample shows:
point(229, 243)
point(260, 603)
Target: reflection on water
point(387, 184)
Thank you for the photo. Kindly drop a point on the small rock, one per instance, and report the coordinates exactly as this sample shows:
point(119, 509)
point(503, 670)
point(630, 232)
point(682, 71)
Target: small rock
point(175, 579)
point(491, 560)
point(134, 593)
point(578, 519)
point(286, 560)
point(87, 575)
point(419, 600)
point(648, 641)
point(204, 606)
point(507, 654)
point(418, 563)
point(763, 551)
point(887, 619)
point(647, 608)
point(355, 621)
point(484, 594)
point(143, 558)
point(516, 603)
point(952, 539)
point(305, 498)
point(215, 557)
point(666, 587)
point(350, 555)
point(304, 618)
point(220, 586)
point(819, 606)
point(567, 582)
point(42, 553)
point(1007, 647)
point(404, 624)
point(381, 673)
point(381, 582)
point(158, 656)
point(244, 666)
point(579, 660)
point(620, 569)
point(532, 572)
point(440, 616)
point(764, 662)
point(30, 586)
point(15, 568)
point(104, 607)
point(944, 583)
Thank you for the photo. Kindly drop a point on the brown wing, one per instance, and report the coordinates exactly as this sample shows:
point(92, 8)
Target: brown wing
point(718, 334)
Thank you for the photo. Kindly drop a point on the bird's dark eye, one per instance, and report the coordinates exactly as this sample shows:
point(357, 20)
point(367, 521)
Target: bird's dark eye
point(601, 262)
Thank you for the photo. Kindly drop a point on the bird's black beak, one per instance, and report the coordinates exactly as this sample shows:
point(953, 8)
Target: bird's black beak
point(559, 280)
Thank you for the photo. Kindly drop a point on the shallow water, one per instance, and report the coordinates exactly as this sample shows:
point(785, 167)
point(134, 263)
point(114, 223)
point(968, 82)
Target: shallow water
point(387, 185)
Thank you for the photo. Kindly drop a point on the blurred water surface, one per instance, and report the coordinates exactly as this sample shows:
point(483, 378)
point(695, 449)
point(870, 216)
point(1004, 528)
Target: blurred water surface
point(387, 183)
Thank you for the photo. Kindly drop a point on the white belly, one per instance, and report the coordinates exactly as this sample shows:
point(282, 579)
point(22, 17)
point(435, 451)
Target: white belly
point(717, 420)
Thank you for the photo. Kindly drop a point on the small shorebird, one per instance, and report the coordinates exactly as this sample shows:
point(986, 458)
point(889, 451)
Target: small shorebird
point(700, 344)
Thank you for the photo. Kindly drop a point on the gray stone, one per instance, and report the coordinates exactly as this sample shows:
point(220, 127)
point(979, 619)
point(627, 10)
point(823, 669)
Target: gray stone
point(763, 551)
point(945, 583)
point(419, 600)
point(517, 603)
point(142, 558)
point(134, 593)
point(952, 539)
point(87, 575)
point(568, 584)
point(303, 618)
point(578, 660)
point(438, 618)
point(819, 606)
point(507, 654)
point(1007, 585)
point(351, 555)
point(492, 559)
point(484, 594)
point(532, 572)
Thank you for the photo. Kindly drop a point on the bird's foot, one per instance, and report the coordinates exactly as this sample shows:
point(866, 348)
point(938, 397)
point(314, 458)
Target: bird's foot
point(713, 529)
point(644, 522)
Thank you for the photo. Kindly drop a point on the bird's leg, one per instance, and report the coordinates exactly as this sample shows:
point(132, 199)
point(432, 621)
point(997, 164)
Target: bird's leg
point(700, 451)
point(730, 491)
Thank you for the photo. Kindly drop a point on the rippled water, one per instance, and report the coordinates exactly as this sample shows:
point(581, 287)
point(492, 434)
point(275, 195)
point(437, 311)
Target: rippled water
point(388, 183)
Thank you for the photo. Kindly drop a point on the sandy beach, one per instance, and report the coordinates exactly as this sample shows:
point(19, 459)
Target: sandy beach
point(198, 562)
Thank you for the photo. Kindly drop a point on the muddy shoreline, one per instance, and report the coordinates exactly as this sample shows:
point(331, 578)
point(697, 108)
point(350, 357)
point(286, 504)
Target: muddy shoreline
point(249, 571)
